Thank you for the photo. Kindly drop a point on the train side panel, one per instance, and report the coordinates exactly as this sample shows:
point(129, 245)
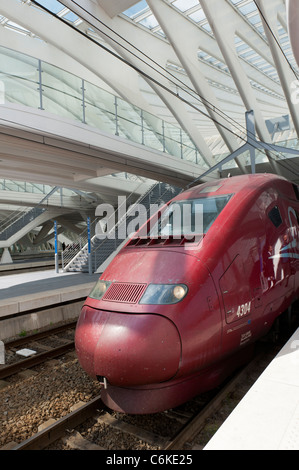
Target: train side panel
point(239, 276)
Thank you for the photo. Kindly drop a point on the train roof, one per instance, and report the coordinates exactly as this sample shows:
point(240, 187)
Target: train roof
point(234, 184)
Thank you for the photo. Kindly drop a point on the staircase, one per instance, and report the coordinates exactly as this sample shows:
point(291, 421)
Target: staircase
point(101, 250)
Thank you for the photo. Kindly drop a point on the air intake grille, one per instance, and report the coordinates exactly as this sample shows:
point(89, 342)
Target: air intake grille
point(124, 292)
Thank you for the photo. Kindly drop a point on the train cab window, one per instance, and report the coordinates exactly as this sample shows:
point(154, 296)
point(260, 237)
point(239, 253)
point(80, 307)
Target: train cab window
point(297, 215)
point(275, 217)
point(189, 217)
point(296, 191)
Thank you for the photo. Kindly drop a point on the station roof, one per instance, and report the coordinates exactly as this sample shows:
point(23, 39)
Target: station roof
point(200, 64)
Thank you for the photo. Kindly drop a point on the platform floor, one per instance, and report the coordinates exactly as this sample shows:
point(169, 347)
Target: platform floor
point(33, 300)
point(268, 416)
point(17, 285)
point(24, 292)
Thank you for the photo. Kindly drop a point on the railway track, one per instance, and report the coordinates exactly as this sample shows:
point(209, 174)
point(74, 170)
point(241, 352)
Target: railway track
point(70, 430)
point(88, 423)
point(41, 342)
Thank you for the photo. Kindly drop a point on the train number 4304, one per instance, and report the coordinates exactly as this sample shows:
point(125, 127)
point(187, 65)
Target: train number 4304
point(244, 309)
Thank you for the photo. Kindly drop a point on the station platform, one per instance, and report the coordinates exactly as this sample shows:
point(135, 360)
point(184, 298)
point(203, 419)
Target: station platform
point(21, 284)
point(25, 265)
point(25, 293)
point(267, 418)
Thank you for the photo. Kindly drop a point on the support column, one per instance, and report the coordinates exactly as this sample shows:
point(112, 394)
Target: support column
point(6, 257)
point(292, 8)
point(183, 36)
point(56, 248)
point(2, 353)
point(251, 145)
point(216, 11)
point(269, 16)
point(224, 32)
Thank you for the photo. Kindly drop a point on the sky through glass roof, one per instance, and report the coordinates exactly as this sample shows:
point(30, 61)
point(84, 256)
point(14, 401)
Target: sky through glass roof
point(141, 14)
point(217, 72)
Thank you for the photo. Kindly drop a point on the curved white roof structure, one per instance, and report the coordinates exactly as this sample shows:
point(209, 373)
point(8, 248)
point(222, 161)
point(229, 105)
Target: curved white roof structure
point(91, 90)
point(195, 64)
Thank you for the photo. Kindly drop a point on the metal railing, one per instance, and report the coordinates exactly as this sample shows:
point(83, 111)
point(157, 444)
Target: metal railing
point(50, 88)
point(23, 216)
point(96, 244)
point(75, 248)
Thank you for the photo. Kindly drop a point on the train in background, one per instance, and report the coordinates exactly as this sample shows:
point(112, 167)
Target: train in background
point(173, 316)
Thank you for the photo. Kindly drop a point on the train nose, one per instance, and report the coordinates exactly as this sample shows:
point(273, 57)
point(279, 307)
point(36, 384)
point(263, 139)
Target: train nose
point(127, 349)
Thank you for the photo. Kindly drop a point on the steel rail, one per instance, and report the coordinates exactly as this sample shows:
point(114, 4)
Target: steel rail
point(58, 429)
point(35, 360)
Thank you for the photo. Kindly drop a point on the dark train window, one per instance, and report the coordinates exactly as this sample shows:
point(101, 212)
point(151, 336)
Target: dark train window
point(275, 217)
point(196, 217)
point(296, 190)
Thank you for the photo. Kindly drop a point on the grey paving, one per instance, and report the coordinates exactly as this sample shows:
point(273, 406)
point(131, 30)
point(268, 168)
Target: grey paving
point(15, 285)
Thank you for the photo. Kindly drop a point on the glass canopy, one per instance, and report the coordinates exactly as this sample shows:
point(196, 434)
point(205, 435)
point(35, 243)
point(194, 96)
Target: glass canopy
point(132, 122)
point(140, 13)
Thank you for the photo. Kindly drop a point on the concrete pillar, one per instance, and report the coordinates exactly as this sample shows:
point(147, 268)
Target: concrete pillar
point(6, 258)
point(2, 353)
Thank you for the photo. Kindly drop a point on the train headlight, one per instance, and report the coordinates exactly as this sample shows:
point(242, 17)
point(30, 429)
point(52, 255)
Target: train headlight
point(164, 294)
point(99, 289)
point(179, 292)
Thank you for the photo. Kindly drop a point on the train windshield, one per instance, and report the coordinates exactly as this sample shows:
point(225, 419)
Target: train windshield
point(189, 217)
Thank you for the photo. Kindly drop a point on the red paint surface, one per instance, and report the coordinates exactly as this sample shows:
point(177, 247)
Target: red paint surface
point(241, 275)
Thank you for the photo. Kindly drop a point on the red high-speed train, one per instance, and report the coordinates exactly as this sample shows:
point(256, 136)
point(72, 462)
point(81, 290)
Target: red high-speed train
point(172, 316)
